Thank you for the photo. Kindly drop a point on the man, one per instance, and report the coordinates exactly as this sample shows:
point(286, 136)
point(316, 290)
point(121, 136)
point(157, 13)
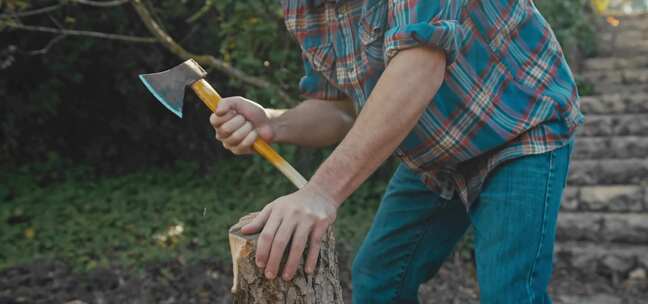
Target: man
point(476, 99)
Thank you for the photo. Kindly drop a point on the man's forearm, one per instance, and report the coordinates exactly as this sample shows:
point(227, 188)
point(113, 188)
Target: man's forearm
point(403, 92)
point(313, 123)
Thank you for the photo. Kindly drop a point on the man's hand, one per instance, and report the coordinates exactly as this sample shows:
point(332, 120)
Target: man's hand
point(296, 218)
point(239, 122)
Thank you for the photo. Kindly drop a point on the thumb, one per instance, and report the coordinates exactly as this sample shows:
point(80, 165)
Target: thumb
point(258, 222)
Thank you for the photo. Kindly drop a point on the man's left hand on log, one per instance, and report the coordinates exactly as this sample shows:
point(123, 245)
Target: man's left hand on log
point(293, 219)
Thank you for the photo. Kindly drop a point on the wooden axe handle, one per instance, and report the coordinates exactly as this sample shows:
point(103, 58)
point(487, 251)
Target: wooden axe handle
point(211, 98)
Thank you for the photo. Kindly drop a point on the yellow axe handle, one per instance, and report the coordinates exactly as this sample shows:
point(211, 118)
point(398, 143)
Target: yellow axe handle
point(211, 98)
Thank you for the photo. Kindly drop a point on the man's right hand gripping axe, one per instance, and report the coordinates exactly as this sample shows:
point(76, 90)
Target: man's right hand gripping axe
point(169, 88)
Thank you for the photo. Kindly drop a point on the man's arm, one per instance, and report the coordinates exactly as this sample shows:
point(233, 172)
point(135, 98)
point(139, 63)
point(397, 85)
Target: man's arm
point(313, 123)
point(404, 90)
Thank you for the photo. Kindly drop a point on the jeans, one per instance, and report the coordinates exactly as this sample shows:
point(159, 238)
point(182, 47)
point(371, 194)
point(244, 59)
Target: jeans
point(514, 220)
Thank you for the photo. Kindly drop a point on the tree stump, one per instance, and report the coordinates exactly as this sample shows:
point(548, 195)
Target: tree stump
point(251, 287)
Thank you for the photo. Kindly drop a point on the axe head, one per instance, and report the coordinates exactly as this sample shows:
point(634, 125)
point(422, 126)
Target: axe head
point(169, 86)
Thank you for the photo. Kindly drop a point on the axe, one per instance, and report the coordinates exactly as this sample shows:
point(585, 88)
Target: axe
point(169, 88)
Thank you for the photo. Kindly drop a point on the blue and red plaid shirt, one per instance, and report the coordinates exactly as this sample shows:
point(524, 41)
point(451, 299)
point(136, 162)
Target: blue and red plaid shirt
point(508, 91)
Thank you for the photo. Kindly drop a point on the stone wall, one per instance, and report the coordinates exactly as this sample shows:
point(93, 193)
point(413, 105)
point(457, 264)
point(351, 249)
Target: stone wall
point(603, 226)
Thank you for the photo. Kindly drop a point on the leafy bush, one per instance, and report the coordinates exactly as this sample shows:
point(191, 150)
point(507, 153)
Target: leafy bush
point(572, 21)
point(152, 215)
point(81, 99)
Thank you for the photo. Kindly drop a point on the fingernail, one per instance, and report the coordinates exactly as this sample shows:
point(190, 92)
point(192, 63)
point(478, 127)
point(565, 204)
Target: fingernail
point(259, 264)
point(269, 275)
point(309, 270)
point(286, 277)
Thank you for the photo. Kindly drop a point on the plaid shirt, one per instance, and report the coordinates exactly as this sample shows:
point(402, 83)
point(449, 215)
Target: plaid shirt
point(508, 91)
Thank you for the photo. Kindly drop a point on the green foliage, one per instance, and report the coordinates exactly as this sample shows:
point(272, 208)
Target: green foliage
point(572, 21)
point(152, 215)
point(82, 98)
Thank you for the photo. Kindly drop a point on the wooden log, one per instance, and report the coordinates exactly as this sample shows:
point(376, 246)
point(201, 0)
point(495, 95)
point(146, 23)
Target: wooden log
point(251, 287)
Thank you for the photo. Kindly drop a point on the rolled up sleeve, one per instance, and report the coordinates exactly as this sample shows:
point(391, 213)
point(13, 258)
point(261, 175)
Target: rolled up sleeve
point(416, 23)
point(314, 85)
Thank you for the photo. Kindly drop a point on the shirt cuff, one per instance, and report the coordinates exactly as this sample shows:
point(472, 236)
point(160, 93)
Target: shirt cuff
point(447, 35)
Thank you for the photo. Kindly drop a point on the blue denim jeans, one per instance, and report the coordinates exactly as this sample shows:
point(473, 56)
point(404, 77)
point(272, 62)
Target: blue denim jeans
point(514, 220)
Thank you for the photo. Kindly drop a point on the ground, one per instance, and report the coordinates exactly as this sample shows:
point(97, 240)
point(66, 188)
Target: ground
point(209, 281)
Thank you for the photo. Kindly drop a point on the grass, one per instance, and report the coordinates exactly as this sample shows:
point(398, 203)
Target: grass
point(65, 213)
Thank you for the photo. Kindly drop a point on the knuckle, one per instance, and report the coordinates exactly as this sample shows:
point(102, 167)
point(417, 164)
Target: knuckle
point(236, 98)
point(261, 257)
point(238, 137)
point(311, 215)
point(222, 132)
point(321, 220)
point(293, 211)
point(317, 238)
point(266, 237)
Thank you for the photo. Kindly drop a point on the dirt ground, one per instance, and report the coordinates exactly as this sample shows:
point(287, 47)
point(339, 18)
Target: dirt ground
point(210, 281)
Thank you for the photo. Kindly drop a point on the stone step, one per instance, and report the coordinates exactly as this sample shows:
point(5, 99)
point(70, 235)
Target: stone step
point(615, 63)
point(626, 228)
point(619, 147)
point(608, 171)
point(625, 35)
point(619, 76)
point(623, 41)
point(616, 103)
point(605, 258)
point(628, 89)
point(599, 298)
point(608, 198)
point(615, 125)
point(624, 48)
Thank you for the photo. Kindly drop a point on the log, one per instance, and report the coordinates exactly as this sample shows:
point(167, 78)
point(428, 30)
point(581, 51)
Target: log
point(251, 287)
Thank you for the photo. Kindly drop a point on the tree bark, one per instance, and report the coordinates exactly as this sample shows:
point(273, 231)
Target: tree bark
point(251, 287)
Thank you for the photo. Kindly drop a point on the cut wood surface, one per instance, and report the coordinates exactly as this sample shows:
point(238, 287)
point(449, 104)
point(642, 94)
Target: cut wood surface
point(251, 286)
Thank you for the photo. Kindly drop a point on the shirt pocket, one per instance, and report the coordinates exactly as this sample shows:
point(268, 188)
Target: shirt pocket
point(372, 35)
point(500, 29)
point(322, 59)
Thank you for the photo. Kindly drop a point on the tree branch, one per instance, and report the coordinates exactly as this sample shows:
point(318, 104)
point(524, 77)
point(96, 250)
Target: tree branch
point(208, 60)
point(32, 12)
point(47, 47)
point(201, 12)
point(52, 8)
point(82, 33)
point(102, 3)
